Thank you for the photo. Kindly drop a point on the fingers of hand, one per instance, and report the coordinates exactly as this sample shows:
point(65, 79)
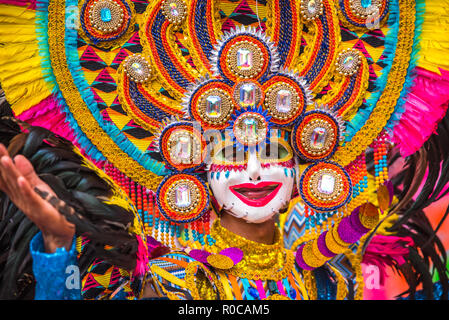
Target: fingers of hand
point(17, 180)
point(3, 183)
point(3, 151)
point(26, 169)
point(21, 192)
point(5, 176)
point(36, 208)
point(10, 175)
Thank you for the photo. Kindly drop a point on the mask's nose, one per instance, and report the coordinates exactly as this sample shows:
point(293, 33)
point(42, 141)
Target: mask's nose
point(253, 168)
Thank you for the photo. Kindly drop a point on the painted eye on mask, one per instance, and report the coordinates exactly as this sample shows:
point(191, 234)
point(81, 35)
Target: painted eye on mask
point(230, 154)
point(278, 151)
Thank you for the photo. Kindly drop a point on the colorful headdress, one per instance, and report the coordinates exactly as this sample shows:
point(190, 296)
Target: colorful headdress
point(137, 85)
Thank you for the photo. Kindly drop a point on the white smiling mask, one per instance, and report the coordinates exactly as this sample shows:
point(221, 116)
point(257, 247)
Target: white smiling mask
point(261, 189)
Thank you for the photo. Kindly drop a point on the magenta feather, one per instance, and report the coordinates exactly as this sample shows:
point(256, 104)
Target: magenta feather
point(425, 106)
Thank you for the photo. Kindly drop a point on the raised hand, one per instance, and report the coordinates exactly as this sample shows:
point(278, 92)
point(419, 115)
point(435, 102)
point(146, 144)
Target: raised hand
point(19, 180)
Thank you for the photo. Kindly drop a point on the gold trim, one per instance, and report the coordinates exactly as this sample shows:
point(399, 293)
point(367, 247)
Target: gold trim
point(260, 261)
point(276, 297)
point(395, 83)
point(310, 49)
point(342, 288)
point(170, 34)
point(309, 281)
point(340, 80)
point(199, 290)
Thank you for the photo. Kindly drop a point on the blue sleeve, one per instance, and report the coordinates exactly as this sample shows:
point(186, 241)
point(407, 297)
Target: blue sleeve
point(57, 274)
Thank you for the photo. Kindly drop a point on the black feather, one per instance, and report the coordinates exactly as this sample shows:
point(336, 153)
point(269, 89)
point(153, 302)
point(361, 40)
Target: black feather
point(100, 224)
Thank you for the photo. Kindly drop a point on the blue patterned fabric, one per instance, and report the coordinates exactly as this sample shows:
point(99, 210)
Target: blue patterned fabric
point(55, 273)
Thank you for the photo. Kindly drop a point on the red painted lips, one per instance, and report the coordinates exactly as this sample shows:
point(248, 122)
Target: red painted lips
point(256, 195)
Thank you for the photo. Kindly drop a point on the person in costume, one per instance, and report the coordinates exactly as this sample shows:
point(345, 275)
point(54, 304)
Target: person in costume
point(248, 246)
point(245, 149)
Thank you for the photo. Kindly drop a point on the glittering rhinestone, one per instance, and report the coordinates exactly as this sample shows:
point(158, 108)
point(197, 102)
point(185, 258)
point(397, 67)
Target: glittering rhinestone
point(318, 138)
point(244, 59)
point(348, 62)
point(250, 127)
point(183, 148)
point(182, 196)
point(366, 3)
point(174, 10)
point(137, 68)
point(247, 95)
point(105, 14)
point(326, 184)
point(213, 106)
point(312, 7)
point(283, 101)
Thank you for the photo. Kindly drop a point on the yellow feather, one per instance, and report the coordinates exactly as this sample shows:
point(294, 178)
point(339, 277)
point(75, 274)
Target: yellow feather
point(434, 41)
point(21, 75)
